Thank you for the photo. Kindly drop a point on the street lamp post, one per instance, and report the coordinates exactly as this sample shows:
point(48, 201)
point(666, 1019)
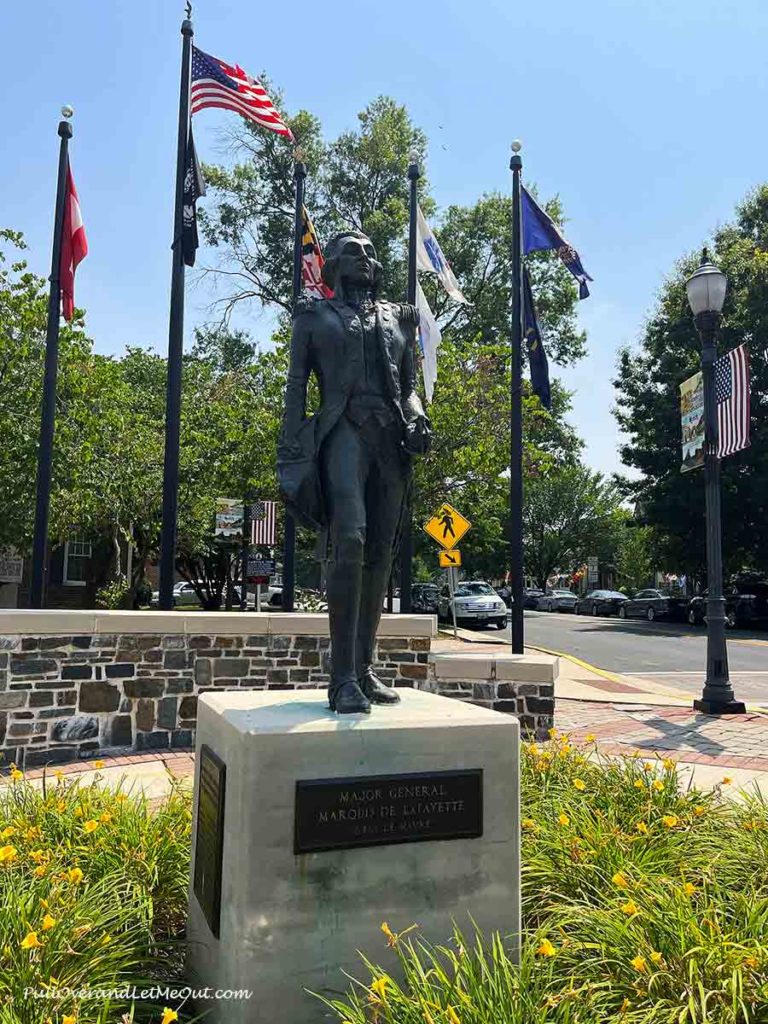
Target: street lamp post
point(706, 294)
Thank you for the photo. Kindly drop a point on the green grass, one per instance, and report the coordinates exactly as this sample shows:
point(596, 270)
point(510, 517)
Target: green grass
point(643, 903)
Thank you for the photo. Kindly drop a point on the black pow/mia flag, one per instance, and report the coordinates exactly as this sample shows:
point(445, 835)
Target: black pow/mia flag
point(194, 187)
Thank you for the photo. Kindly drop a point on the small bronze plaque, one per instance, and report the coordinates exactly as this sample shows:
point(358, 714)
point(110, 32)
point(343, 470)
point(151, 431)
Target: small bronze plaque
point(377, 810)
point(209, 837)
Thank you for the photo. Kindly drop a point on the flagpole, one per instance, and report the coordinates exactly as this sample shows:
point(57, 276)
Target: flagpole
point(406, 540)
point(516, 413)
point(48, 405)
point(289, 537)
point(175, 341)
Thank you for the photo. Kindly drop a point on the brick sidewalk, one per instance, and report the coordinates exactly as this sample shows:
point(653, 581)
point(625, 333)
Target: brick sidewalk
point(728, 741)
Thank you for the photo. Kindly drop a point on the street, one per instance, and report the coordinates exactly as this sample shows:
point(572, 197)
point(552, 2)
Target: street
point(669, 653)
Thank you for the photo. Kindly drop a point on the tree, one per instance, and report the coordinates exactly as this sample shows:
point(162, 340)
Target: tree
point(648, 409)
point(360, 179)
point(568, 509)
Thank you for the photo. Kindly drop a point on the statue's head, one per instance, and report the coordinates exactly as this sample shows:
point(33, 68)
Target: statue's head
point(350, 261)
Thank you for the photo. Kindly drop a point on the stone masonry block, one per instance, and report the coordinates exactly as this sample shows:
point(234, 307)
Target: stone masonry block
point(144, 688)
point(96, 695)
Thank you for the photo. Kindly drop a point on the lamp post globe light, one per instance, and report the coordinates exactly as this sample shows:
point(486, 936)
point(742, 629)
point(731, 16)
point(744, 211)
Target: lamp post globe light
point(706, 289)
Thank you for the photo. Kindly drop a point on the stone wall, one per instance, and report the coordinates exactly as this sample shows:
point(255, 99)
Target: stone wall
point(75, 684)
point(519, 684)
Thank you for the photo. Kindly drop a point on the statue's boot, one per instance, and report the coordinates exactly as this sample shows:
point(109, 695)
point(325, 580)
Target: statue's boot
point(375, 578)
point(343, 588)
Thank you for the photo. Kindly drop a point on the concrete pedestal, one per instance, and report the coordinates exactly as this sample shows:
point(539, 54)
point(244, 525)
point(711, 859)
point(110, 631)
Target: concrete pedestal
point(294, 921)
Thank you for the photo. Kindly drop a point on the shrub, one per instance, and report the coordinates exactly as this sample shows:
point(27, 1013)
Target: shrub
point(93, 892)
point(643, 903)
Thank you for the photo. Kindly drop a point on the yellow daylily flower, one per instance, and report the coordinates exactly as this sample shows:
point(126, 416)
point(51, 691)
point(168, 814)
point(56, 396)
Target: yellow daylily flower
point(38, 856)
point(639, 784)
point(30, 941)
point(39, 871)
point(49, 922)
point(7, 832)
point(169, 1016)
point(699, 810)
point(639, 963)
point(656, 957)
point(658, 785)
point(670, 820)
point(106, 816)
point(60, 805)
point(669, 763)
point(16, 775)
point(546, 948)
point(647, 766)
point(7, 853)
point(629, 908)
point(75, 875)
point(689, 889)
point(78, 812)
point(528, 823)
point(379, 989)
point(590, 738)
point(727, 780)
point(98, 764)
point(620, 880)
point(564, 820)
point(90, 825)
point(391, 937)
point(642, 828)
point(69, 1018)
point(579, 784)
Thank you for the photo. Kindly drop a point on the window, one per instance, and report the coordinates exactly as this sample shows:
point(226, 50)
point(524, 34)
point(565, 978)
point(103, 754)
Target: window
point(77, 553)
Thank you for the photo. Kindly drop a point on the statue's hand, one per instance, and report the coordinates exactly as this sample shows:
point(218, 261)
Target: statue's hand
point(418, 436)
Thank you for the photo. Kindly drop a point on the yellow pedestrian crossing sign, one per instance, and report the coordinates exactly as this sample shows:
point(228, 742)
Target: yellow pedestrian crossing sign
point(449, 559)
point(447, 526)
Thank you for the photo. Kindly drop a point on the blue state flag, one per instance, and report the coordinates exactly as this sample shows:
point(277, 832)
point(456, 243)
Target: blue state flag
point(537, 357)
point(540, 232)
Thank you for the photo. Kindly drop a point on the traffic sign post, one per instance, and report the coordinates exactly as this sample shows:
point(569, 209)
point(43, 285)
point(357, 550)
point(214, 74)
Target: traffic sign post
point(452, 588)
point(447, 526)
point(449, 559)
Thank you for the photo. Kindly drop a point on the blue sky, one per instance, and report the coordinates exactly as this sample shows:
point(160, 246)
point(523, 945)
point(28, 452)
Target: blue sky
point(647, 118)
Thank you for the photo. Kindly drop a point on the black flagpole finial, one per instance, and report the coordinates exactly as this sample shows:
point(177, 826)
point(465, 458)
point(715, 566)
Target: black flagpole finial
point(189, 10)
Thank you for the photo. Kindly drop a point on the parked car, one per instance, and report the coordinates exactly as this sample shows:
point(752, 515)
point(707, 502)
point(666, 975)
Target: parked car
point(476, 602)
point(531, 598)
point(654, 604)
point(425, 598)
point(600, 602)
point(746, 605)
point(557, 601)
point(184, 595)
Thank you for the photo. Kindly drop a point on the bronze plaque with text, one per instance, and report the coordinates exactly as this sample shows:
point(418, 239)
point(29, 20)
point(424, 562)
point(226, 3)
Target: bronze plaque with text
point(209, 835)
point(375, 810)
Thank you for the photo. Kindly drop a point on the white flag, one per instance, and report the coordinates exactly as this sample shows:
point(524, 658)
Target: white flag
point(430, 338)
point(429, 257)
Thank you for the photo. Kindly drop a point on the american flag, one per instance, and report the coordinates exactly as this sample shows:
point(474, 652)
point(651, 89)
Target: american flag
point(218, 84)
point(732, 393)
point(263, 519)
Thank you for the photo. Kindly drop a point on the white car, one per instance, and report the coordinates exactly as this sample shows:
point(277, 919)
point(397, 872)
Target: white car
point(476, 602)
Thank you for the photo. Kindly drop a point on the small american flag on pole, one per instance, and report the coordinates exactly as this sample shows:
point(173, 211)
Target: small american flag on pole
point(218, 84)
point(263, 519)
point(732, 393)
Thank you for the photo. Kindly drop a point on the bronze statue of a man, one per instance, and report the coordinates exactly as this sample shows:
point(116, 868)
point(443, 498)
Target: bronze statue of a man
point(346, 469)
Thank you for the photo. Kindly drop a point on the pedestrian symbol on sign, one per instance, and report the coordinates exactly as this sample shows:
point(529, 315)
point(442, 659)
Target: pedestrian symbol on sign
point(447, 526)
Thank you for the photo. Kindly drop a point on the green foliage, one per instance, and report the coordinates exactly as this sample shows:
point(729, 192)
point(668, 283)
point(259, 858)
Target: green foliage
point(643, 903)
point(93, 894)
point(635, 557)
point(649, 412)
point(569, 510)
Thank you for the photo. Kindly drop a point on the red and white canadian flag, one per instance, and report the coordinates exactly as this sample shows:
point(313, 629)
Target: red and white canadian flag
point(74, 246)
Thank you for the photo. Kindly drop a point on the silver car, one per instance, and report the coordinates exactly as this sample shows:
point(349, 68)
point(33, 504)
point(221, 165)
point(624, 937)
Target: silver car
point(557, 601)
point(476, 603)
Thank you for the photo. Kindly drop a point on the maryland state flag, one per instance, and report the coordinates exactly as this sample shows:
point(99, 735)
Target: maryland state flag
point(312, 260)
